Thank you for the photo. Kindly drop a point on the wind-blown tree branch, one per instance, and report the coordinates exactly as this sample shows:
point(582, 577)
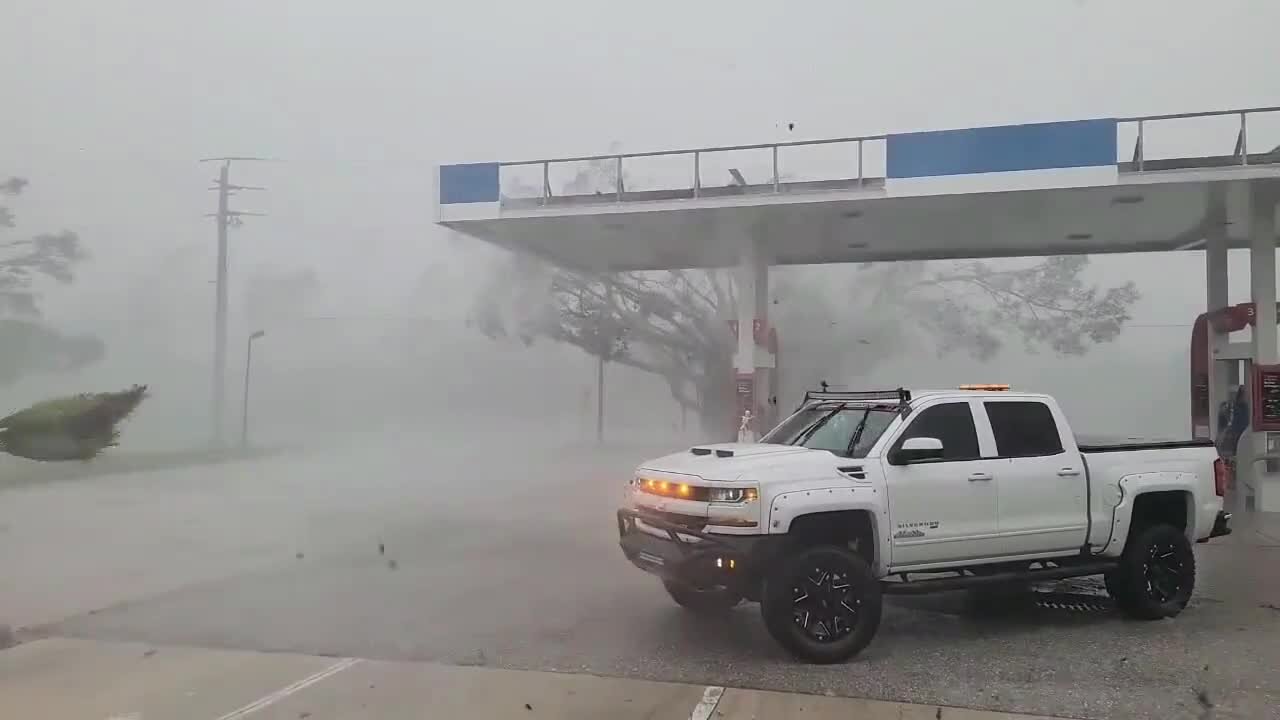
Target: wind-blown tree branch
point(677, 322)
point(52, 255)
point(26, 344)
point(77, 427)
point(970, 307)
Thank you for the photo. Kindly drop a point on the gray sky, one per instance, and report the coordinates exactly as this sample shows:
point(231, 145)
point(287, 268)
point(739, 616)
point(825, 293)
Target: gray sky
point(109, 104)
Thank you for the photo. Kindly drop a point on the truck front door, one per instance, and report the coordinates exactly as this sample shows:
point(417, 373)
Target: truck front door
point(942, 510)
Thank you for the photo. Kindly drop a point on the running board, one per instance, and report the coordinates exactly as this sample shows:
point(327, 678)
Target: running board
point(921, 587)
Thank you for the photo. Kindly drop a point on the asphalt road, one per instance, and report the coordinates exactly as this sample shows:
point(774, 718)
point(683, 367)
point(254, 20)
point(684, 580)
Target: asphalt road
point(507, 557)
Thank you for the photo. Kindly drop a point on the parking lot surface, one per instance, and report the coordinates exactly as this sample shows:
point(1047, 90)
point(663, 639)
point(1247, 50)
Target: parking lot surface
point(468, 562)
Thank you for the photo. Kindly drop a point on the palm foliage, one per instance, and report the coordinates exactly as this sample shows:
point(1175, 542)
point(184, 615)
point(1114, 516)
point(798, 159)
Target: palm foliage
point(76, 427)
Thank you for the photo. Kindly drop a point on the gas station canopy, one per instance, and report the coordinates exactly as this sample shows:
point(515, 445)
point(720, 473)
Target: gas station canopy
point(1196, 181)
point(1109, 185)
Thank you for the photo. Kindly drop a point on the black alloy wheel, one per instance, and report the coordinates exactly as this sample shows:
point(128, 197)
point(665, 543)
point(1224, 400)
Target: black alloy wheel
point(822, 604)
point(1164, 572)
point(825, 604)
point(1156, 575)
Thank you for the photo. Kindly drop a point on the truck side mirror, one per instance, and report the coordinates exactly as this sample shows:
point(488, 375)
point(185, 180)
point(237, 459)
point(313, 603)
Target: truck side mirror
point(917, 449)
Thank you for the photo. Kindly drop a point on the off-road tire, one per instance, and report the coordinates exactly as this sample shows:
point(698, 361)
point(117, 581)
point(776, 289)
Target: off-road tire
point(1156, 576)
point(1112, 582)
point(708, 601)
point(796, 583)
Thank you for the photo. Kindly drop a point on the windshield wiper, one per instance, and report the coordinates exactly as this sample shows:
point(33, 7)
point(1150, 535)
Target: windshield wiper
point(857, 432)
point(809, 431)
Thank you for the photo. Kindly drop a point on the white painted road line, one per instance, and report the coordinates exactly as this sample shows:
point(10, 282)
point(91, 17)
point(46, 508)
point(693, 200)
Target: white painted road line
point(707, 705)
point(288, 690)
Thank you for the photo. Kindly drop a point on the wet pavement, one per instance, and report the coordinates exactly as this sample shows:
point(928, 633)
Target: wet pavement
point(509, 560)
point(130, 681)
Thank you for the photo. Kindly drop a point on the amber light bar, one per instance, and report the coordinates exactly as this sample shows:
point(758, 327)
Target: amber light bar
point(666, 488)
point(701, 493)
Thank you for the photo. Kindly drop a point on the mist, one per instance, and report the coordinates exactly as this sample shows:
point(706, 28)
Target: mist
point(435, 494)
point(360, 102)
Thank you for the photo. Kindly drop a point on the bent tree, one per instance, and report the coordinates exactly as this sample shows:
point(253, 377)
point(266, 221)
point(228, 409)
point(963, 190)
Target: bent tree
point(76, 427)
point(675, 324)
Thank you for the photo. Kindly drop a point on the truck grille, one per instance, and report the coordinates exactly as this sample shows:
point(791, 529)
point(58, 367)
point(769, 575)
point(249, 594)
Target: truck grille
point(691, 522)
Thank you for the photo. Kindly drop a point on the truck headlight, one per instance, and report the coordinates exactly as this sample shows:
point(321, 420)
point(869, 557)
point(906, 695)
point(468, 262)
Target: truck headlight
point(733, 495)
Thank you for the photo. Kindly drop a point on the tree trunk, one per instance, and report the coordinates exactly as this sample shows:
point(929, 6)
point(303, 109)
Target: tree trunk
point(599, 400)
point(716, 411)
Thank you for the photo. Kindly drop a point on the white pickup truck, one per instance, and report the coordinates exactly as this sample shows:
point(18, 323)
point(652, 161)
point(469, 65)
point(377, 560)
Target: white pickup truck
point(859, 494)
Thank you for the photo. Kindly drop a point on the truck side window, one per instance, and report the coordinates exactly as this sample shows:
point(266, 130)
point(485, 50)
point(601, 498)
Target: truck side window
point(952, 423)
point(1023, 429)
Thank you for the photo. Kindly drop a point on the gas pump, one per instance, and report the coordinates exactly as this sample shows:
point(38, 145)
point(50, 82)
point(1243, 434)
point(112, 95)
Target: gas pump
point(1226, 320)
point(1247, 402)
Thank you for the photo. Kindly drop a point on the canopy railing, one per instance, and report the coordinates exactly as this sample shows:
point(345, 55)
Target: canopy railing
point(858, 163)
point(1215, 129)
point(851, 163)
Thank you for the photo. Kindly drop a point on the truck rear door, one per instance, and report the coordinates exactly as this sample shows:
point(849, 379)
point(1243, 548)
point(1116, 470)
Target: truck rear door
point(1042, 493)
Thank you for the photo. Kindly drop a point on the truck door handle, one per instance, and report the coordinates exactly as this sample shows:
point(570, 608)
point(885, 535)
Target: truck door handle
point(1068, 472)
point(979, 476)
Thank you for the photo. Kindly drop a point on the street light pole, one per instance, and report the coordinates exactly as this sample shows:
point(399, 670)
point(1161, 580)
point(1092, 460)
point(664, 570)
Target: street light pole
point(226, 218)
point(248, 364)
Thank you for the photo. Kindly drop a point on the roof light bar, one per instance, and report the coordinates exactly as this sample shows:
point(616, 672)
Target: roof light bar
point(899, 395)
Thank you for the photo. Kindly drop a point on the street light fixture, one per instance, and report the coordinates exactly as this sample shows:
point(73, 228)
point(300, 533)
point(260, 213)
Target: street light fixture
point(248, 365)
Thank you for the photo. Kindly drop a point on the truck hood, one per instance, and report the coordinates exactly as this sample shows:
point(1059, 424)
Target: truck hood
point(722, 461)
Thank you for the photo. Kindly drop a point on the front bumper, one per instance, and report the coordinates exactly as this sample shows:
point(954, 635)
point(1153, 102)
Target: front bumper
point(691, 556)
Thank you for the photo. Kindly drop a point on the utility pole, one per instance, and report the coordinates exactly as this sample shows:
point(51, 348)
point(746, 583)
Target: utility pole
point(226, 218)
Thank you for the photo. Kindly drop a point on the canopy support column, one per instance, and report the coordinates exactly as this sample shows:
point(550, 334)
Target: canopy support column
point(752, 361)
point(1262, 478)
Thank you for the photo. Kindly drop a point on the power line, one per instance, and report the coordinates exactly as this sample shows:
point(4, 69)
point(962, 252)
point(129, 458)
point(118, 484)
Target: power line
point(226, 218)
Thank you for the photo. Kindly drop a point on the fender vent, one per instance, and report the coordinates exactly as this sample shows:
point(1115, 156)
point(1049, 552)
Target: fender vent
point(853, 471)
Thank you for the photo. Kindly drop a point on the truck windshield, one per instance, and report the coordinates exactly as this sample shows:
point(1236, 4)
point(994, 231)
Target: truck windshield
point(843, 429)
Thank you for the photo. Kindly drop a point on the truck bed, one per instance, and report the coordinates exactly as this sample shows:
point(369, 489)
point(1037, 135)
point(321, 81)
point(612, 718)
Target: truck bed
point(1107, 462)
